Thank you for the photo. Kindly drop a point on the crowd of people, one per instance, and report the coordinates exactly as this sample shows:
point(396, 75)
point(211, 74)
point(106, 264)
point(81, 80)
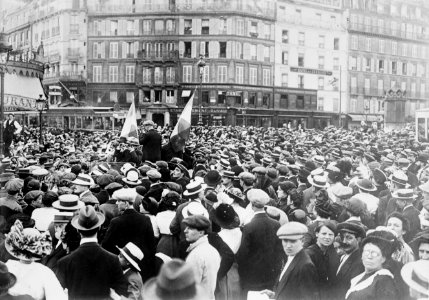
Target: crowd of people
point(240, 213)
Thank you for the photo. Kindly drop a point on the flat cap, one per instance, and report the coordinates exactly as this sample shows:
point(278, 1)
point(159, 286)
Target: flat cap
point(292, 231)
point(260, 170)
point(351, 227)
point(14, 185)
point(40, 172)
point(148, 123)
point(247, 176)
point(105, 180)
point(153, 174)
point(199, 222)
point(343, 192)
point(258, 197)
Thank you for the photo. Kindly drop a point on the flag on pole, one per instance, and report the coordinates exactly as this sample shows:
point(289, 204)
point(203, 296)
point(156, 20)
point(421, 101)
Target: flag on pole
point(182, 130)
point(130, 128)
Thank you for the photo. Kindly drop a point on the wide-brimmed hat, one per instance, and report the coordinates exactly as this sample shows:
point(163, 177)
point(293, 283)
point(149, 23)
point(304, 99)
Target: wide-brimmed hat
point(132, 177)
point(133, 141)
point(366, 185)
point(192, 188)
point(318, 181)
point(68, 202)
point(132, 254)
point(126, 167)
point(88, 219)
point(228, 174)
point(5, 177)
point(212, 177)
point(399, 177)
point(27, 243)
point(63, 217)
point(225, 216)
point(193, 209)
point(176, 280)
point(416, 276)
point(83, 179)
point(7, 279)
point(404, 194)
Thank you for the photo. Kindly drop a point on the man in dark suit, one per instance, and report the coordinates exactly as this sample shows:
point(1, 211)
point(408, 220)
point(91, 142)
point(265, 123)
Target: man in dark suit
point(298, 279)
point(131, 226)
point(260, 255)
point(151, 141)
point(404, 200)
point(90, 272)
point(351, 234)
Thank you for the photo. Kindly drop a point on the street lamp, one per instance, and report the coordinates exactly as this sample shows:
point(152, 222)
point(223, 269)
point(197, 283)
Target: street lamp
point(41, 105)
point(4, 48)
point(366, 108)
point(201, 65)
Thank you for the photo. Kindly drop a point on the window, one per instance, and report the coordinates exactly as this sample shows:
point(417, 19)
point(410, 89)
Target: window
point(221, 72)
point(368, 44)
point(221, 97)
point(336, 64)
point(239, 74)
point(74, 28)
point(169, 97)
point(158, 75)
point(252, 98)
point(353, 84)
point(320, 103)
point(265, 99)
point(394, 47)
point(170, 26)
point(206, 75)
point(159, 26)
point(285, 57)
point(98, 50)
point(222, 25)
point(113, 73)
point(367, 85)
point(170, 74)
point(321, 62)
point(187, 73)
point(285, 36)
point(285, 79)
point(253, 29)
point(240, 27)
point(353, 105)
point(239, 50)
point(267, 31)
point(253, 52)
point(129, 73)
point(300, 59)
point(382, 46)
point(266, 77)
point(147, 76)
point(414, 51)
point(158, 47)
point(205, 27)
point(381, 65)
point(321, 83)
point(301, 81)
point(267, 54)
point(380, 86)
point(188, 26)
point(188, 50)
point(130, 27)
point(222, 49)
point(114, 27)
point(205, 95)
point(422, 90)
point(336, 44)
point(301, 39)
point(113, 50)
point(394, 67)
point(300, 102)
point(96, 73)
point(321, 41)
point(130, 97)
point(204, 49)
point(113, 96)
point(253, 76)
point(97, 27)
point(354, 42)
point(147, 26)
point(284, 101)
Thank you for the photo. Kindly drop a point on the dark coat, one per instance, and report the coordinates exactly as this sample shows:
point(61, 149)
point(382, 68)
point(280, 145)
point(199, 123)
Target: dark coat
point(351, 268)
point(134, 227)
point(300, 281)
point(382, 288)
point(90, 272)
point(261, 253)
point(102, 196)
point(151, 142)
point(412, 215)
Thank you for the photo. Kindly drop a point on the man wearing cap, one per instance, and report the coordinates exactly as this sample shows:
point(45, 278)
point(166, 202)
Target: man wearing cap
point(81, 186)
point(130, 256)
point(131, 226)
point(204, 258)
point(227, 181)
point(298, 278)
point(90, 272)
point(151, 141)
point(246, 182)
point(260, 255)
point(351, 234)
point(11, 201)
point(398, 180)
point(404, 201)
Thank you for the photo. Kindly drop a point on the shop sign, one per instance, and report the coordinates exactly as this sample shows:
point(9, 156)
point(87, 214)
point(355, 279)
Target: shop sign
point(233, 94)
point(12, 103)
point(311, 71)
point(203, 110)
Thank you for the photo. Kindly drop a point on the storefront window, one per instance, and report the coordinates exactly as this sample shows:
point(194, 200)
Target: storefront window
point(78, 122)
point(98, 123)
point(252, 98)
point(72, 122)
point(221, 97)
point(107, 123)
point(87, 123)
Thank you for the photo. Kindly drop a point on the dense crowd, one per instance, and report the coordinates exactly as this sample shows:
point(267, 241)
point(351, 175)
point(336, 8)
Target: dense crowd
point(239, 213)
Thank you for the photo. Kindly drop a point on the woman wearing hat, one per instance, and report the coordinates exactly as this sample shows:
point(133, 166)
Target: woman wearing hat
point(34, 279)
point(168, 243)
point(7, 281)
point(376, 282)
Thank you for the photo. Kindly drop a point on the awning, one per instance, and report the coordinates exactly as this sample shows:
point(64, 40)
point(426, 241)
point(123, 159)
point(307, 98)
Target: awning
point(369, 118)
point(186, 93)
point(21, 92)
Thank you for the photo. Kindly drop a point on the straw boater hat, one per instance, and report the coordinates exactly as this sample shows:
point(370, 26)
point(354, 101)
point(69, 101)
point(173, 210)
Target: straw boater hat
point(318, 181)
point(132, 254)
point(416, 276)
point(83, 179)
point(404, 194)
point(192, 188)
point(132, 177)
point(68, 202)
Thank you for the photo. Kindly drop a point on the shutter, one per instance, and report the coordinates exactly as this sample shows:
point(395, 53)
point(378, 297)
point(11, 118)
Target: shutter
point(202, 48)
point(216, 50)
point(196, 26)
point(211, 49)
point(181, 48)
point(103, 49)
point(136, 49)
point(228, 49)
point(261, 33)
point(359, 63)
point(124, 49)
point(194, 49)
point(233, 50)
point(122, 27)
point(249, 28)
point(181, 27)
point(246, 51)
point(229, 26)
point(94, 50)
point(260, 53)
point(214, 26)
point(136, 27)
point(103, 27)
point(272, 58)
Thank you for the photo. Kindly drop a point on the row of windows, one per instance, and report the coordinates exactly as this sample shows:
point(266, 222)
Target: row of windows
point(157, 75)
point(393, 9)
point(384, 66)
point(322, 40)
point(301, 61)
point(380, 86)
point(368, 105)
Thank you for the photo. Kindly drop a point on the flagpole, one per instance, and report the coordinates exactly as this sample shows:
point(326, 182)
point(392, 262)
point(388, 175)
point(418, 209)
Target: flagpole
point(339, 113)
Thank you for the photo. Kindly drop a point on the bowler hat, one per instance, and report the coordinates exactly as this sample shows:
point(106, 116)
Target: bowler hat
point(225, 216)
point(212, 177)
point(88, 219)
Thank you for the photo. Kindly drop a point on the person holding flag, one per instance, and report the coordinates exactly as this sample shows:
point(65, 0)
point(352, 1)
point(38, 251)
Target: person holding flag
point(151, 141)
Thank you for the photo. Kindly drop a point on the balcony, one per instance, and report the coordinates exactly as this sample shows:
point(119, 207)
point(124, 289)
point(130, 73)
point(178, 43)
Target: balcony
point(388, 31)
point(73, 54)
point(72, 76)
point(160, 56)
point(310, 22)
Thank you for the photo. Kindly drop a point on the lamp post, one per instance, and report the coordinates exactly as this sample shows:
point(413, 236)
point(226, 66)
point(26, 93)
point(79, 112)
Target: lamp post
point(366, 108)
point(4, 48)
point(41, 105)
point(201, 65)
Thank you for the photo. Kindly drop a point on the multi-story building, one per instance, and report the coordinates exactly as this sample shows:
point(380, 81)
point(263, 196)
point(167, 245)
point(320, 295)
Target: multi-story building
point(60, 26)
point(311, 48)
point(388, 60)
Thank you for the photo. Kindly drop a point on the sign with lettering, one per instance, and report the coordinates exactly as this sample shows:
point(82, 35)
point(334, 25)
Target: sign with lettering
point(203, 110)
point(12, 103)
point(311, 71)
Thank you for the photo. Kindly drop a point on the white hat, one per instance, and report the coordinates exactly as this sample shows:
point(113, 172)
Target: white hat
point(416, 276)
point(194, 208)
point(132, 254)
point(83, 179)
point(192, 188)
